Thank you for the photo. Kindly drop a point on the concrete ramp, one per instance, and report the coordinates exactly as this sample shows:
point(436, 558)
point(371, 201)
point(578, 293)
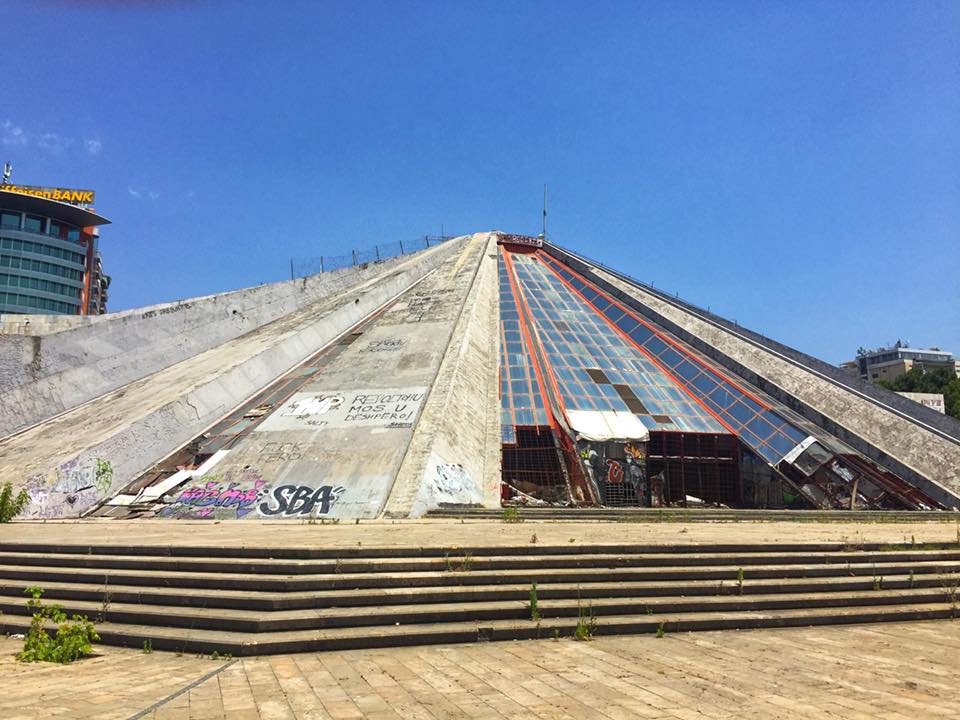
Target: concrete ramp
point(189, 364)
point(373, 416)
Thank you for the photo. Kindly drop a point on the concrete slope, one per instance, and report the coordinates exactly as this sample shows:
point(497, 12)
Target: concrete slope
point(924, 453)
point(50, 364)
point(413, 387)
point(71, 461)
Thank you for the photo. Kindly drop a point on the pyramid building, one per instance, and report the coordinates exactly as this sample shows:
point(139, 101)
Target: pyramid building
point(484, 370)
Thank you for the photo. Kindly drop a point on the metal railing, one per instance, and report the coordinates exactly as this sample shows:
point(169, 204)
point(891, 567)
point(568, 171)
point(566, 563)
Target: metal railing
point(302, 267)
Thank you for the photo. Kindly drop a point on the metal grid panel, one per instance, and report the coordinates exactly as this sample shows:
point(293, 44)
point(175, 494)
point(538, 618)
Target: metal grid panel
point(521, 398)
point(766, 432)
point(578, 342)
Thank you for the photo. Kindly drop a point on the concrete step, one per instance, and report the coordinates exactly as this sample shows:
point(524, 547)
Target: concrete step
point(209, 641)
point(249, 621)
point(356, 581)
point(267, 601)
point(468, 562)
point(439, 551)
point(680, 514)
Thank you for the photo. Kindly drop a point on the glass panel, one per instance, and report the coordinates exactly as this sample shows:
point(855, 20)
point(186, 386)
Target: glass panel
point(33, 223)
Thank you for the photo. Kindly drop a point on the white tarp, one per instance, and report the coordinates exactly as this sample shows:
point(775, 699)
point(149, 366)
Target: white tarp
point(799, 448)
point(602, 425)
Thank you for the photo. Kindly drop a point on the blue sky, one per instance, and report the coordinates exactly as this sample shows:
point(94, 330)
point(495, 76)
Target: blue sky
point(795, 166)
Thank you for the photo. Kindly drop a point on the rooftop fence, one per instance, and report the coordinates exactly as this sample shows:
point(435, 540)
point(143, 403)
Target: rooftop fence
point(301, 267)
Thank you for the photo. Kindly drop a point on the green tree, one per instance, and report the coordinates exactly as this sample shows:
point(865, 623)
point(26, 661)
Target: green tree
point(11, 506)
point(935, 381)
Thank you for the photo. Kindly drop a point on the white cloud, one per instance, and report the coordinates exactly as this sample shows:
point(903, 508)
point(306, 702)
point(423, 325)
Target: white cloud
point(51, 142)
point(12, 134)
point(140, 193)
point(93, 146)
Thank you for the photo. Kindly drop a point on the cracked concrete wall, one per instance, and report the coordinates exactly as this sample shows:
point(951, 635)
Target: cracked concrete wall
point(922, 456)
point(454, 455)
point(69, 462)
point(51, 370)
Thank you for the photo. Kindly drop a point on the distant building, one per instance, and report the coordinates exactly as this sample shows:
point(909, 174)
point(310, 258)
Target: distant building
point(934, 401)
point(49, 259)
point(888, 363)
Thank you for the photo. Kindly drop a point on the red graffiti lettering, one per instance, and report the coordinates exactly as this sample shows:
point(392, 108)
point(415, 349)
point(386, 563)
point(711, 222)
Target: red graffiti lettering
point(614, 472)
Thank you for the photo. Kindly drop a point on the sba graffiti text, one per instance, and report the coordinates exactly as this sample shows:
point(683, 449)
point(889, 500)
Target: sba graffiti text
point(299, 500)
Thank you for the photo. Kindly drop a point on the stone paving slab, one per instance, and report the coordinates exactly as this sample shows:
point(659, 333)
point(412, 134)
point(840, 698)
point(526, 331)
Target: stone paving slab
point(895, 671)
point(453, 533)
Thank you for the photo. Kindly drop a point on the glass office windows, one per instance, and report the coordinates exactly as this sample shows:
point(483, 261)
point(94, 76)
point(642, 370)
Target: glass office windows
point(34, 223)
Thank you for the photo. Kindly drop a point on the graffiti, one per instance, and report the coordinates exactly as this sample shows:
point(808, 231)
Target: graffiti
point(637, 452)
point(302, 500)
point(165, 310)
point(234, 494)
point(453, 479)
point(426, 305)
point(347, 409)
point(618, 471)
point(614, 471)
point(69, 489)
point(313, 405)
point(282, 452)
point(103, 475)
point(391, 345)
point(445, 484)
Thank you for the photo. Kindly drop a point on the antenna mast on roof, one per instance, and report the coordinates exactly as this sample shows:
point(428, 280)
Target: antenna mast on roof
point(543, 235)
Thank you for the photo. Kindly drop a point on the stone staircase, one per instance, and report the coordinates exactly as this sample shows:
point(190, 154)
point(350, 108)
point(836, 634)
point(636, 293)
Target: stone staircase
point(251, 601)
point(690, 514)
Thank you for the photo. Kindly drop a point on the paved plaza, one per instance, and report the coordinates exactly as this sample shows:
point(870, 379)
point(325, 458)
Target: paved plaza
point(893, 671)
point(469, 533)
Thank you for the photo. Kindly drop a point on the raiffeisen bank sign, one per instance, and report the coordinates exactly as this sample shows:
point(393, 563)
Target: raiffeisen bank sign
point(67, 195)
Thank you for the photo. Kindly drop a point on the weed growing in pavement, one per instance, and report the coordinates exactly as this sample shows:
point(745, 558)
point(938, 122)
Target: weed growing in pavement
point(586, 626)
point(911, 579)
point(534, 609)
point(73, 639)
point(511, 515)
point(11, 506)
point(147, 646)
point(660, 629)
point(465, 562)
point(739, 581)
point(950, 584)
point(105, 602)
point(556, 633)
